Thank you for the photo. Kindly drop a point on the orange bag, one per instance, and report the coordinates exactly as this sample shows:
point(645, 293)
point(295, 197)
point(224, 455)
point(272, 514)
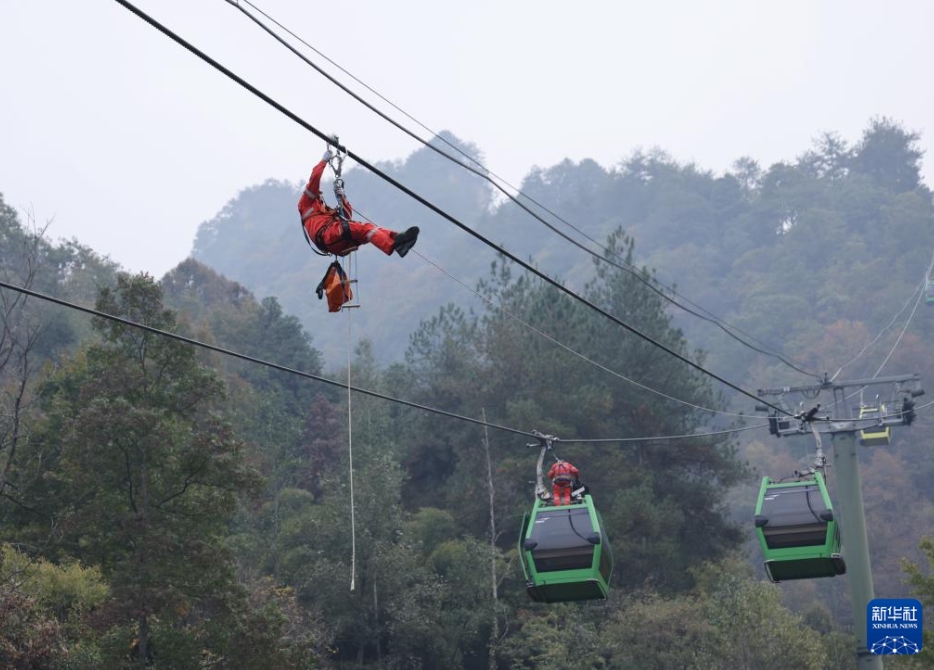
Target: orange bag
point(337, 287)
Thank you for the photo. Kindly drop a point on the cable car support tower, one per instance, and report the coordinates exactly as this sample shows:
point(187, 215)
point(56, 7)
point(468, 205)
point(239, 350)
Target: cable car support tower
point(872, 426)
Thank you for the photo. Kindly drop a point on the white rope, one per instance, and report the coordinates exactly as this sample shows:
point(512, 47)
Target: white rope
point(353, 530)
point(356, 277)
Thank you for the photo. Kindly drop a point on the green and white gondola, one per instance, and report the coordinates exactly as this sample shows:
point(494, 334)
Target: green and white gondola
point(565, 553)
point(799, 536)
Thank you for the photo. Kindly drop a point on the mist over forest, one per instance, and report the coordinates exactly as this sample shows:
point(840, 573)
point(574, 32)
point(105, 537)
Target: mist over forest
point(172, 506)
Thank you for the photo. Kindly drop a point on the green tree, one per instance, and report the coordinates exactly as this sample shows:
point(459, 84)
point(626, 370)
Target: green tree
point(147, 474)
point(890, 155)
point(30, 637)
point(44, 613)
point(830, 158)
point(20, 330)
point(649, 632)
point(663, 503)
point(463, 621)
point(752, 629)
point(554, 638)
point(921, 580)
point(380, 600)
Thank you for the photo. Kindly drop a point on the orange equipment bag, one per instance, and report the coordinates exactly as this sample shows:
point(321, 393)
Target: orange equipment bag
point(337, 287)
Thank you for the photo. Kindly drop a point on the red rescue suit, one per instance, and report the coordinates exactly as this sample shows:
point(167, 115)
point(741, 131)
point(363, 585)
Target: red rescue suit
point(562, 475)
point(325, 228)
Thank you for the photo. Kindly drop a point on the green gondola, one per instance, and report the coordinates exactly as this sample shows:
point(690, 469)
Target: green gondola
point(799, 536)
point(563, 549)
point(929, 292)
point(565, 553)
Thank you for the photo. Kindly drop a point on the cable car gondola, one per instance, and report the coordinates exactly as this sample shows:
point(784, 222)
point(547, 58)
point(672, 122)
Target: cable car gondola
point(799, 536)
point(565, 554)
point(929, 292)
point(872, 436)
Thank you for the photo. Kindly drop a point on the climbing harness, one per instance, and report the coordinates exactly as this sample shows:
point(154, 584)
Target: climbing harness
point(335, 284)
point(337, 165)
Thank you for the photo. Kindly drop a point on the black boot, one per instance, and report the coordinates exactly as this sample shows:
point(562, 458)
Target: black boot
point(405, 241)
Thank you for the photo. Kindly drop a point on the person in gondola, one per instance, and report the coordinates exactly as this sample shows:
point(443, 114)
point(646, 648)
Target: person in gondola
point(331, 229)
point(563, 476)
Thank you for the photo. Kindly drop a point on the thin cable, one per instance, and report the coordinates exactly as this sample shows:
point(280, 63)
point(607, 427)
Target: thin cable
point(308, 375)
point(437, 210)
point(485, 174)
point(878, 336)
point(920, 291)
point(888, 356)
point(911, 316)
point(901, 334)
point(922, 287)
point(662, 437)
point(456, 148)
point(258, 361)
point(569, 349)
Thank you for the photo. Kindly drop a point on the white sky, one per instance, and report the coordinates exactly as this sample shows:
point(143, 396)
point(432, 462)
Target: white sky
point(129, 142)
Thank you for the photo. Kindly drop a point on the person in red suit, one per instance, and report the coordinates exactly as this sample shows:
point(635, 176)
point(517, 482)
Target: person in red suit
point(332, 231)
point(562, 475)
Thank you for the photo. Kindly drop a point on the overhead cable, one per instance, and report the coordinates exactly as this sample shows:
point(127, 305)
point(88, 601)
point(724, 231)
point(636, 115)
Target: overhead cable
point(920, 293)
point(918, 289)
point(570, 350)
point(252, 359)
point(437, 210)
point(663, 438)
point(308, 375)
point(486, 173)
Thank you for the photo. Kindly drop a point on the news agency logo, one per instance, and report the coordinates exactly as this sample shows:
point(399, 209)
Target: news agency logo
point(894, 625)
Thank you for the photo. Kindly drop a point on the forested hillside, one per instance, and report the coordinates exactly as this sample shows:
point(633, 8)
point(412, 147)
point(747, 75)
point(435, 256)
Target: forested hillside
point(169, 505)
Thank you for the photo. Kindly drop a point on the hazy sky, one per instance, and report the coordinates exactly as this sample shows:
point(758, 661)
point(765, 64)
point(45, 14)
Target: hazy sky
point(128, 142)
